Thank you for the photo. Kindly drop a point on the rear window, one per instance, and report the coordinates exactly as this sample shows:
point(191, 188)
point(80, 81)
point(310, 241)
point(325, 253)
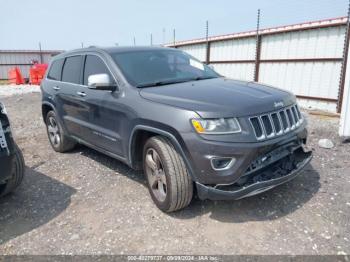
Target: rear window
point(56, 70)
point(72, 69)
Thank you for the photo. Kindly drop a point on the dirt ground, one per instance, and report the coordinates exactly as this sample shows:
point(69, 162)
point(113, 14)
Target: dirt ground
point(86, 203)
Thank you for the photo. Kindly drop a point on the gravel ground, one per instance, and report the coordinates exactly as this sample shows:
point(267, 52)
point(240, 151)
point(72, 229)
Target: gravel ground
point(86, 203)
point(10, 90)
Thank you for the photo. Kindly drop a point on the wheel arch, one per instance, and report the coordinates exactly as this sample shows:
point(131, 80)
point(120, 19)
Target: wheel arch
point(47, 107)
point(139, 136)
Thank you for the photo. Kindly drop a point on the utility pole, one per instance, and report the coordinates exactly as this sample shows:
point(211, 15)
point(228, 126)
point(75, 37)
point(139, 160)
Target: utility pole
point(163, 36)
point(257, 49)
point(174, 37)
point(40, 52)
point(134, 41)
point(82, 45)
point(151, 39)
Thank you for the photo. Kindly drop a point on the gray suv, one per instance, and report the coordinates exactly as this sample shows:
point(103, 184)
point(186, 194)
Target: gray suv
point(162, 111)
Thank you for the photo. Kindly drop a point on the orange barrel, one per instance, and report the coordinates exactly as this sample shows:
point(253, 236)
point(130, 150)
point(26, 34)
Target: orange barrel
point(15, 76)
point(36, 73)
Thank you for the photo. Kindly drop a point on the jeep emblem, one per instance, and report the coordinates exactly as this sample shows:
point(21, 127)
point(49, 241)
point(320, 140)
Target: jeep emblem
point(279, 104)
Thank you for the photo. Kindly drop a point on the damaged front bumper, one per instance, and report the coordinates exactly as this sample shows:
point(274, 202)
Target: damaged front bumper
point(286, 163)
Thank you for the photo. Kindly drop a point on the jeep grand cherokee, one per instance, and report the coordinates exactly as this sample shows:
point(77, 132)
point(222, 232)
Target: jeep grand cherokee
point(163, 111)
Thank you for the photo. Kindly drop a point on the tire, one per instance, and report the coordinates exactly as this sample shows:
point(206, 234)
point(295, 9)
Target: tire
point(59, 141)
point(17, 173)
point(164, 165)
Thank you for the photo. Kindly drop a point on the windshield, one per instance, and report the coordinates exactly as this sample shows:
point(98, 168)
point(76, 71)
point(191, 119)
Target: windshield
point(159, 67)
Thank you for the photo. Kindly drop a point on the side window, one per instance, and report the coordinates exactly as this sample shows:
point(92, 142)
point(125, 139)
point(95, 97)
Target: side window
point(72, 69)
point(56, 70)
point(95, 65)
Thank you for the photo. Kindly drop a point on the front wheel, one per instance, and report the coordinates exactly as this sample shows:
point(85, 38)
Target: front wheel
point(169, 183)
point(17, 173)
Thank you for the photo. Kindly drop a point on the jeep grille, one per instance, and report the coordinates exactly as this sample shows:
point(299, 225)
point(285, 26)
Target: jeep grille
point(276, 123)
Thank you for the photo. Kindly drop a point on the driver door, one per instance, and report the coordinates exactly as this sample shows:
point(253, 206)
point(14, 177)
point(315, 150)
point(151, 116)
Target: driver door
point(105, 113)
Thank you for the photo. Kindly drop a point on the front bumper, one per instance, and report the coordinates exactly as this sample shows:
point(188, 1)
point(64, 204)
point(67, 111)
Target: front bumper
point(269, 178)
point(200, 151)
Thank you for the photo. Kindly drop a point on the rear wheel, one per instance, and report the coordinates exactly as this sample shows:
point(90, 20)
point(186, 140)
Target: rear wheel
point(59, 141)
point(17, 173)
point(169, 183)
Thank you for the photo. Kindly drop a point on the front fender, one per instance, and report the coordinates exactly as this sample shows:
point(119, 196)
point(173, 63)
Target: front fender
point(172, 135)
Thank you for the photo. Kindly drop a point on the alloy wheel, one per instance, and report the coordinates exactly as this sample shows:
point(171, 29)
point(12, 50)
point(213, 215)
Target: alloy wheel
point(156, 174)
point(54, 132)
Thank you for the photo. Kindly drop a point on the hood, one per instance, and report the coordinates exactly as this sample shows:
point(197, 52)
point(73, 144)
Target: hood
point(220, 97)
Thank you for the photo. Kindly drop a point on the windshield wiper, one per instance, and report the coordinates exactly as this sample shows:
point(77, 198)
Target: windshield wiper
point(164, 82)
point(174, 81)
point(204, 77)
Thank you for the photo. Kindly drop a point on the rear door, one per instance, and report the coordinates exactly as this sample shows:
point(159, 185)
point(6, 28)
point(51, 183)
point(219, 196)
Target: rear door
point(52, 84)
point(73, 109)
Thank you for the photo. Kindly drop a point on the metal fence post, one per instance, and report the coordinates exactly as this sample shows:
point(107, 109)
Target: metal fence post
point(257, 50)
point(174, 38)
point(344, 64)
point(344, 123)
point(207, 58)
point(40, 52)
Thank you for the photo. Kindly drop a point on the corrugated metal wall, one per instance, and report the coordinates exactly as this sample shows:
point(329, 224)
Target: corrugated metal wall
point(306, 62)
point(314, 79)
point(197, 51)
point(243, 71)
point(311, 78)
point(313, 43)
point(239, 49)
point(22, 59)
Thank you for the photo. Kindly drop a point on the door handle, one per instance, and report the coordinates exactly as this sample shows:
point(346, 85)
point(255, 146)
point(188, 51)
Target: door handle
point(82, 94)
point(56, 88)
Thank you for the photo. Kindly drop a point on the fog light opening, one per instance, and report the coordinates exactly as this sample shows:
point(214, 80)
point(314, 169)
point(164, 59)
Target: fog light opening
point(222, 163)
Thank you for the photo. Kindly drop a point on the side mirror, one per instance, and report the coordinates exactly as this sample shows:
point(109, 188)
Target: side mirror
point(211, 67)
point(101, 82)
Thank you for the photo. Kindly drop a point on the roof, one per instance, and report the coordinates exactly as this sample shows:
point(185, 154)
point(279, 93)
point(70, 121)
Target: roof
point(287, 28)
point(114, 49)
point(123, 49)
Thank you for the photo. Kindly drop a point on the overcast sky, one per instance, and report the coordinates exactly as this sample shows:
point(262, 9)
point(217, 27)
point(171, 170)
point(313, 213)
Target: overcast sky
point(65, 24)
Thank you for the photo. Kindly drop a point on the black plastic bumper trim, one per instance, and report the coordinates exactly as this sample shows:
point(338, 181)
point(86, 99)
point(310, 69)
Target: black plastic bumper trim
point(208, 192)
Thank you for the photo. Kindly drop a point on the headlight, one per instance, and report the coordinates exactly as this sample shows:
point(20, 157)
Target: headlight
point(216, 126)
